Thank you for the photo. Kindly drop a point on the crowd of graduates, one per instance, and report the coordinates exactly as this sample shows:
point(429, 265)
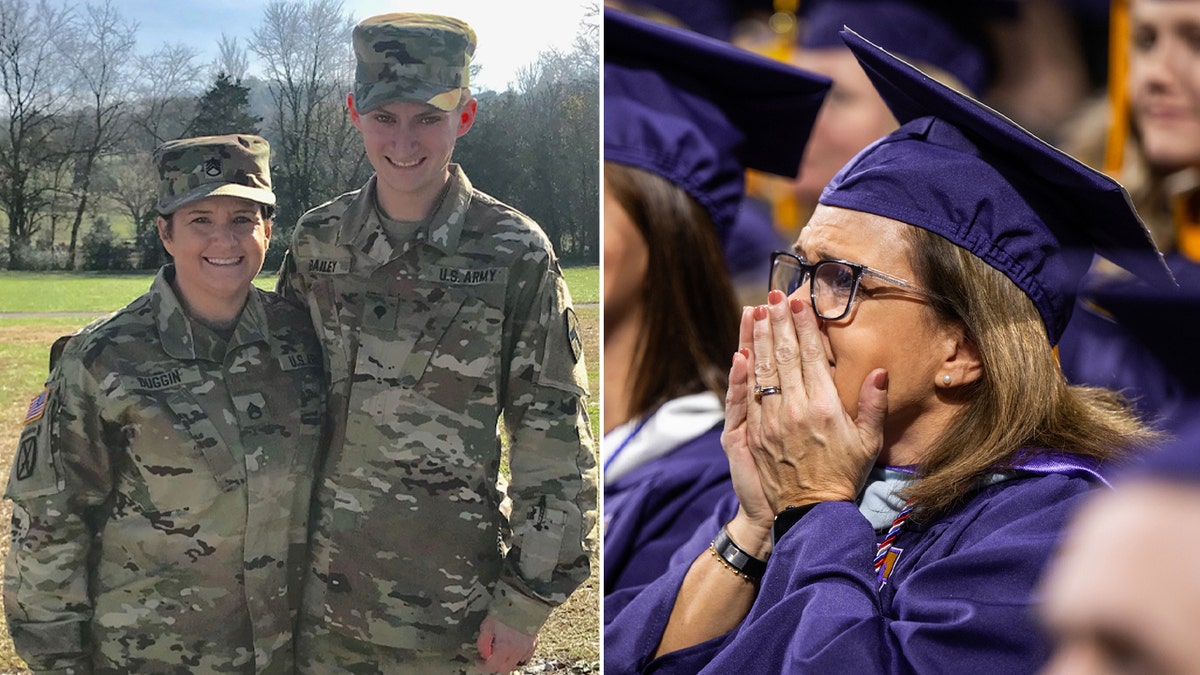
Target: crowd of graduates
point(950, 427)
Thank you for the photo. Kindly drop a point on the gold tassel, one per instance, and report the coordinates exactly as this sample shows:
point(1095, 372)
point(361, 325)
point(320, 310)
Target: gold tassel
point(1118, 88)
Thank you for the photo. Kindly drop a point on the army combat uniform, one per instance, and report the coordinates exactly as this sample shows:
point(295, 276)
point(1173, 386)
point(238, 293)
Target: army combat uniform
point(427, 339)
point(161, 490)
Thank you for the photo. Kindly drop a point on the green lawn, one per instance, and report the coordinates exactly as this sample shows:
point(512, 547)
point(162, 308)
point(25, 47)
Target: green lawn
point(100, 292)
point(572, 633)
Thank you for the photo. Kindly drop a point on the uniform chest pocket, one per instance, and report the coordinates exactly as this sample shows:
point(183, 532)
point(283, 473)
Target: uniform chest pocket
point(308, 386)
point(180, 457)
point(444, 351)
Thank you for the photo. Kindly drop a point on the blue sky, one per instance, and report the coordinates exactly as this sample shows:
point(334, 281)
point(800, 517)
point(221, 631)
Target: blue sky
point(511, 32)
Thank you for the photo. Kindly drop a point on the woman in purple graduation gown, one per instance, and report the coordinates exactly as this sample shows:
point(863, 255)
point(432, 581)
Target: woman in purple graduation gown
point(671, 202)
point(904, 448)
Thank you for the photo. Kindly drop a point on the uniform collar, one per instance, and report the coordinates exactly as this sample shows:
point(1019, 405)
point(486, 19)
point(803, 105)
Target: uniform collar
point(181, 340)
point(442, 228)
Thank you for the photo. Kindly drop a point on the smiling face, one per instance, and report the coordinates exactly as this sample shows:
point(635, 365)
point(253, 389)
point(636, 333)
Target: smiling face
point(409, 146)
point(1164, 80)
point(218, 244)
point(887, 327)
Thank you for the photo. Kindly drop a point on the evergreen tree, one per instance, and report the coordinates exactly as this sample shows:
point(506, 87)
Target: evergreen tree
point(224, 109)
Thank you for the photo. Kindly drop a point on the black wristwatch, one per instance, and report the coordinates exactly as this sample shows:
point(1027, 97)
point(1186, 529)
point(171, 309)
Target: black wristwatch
point(785, 519)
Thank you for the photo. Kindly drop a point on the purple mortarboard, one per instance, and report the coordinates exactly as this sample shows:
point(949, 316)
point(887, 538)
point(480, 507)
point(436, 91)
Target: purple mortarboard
point(1163, 321)
point(949, 34)
point(699, 112)
point(961, 170)
point(714, 18)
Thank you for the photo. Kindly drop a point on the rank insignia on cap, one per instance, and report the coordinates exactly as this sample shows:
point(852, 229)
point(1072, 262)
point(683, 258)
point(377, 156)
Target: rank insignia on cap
point(37, 407)
point(573, 337)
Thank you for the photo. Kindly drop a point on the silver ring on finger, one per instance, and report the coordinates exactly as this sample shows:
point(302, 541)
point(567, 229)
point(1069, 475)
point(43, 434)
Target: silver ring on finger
point(760, 392)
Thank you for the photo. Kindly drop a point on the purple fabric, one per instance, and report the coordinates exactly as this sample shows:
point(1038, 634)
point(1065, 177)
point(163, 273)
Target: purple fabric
point(959, 598)
point(949, 35)
point(714, 18)
point(751, 241)
point(1178, 460)
point(651, 511)
point(698, 111)
point(966, 173)
point(1047, 462)
point(1140, 340)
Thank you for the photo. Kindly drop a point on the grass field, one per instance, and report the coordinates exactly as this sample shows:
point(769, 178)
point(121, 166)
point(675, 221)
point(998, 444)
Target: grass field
point(570, 640)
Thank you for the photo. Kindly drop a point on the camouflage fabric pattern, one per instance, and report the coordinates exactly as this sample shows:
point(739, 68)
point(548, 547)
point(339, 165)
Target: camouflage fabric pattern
point(425, 58)
point(321, 651)
point(161, 500)
point(427, 341)
point(237, 165)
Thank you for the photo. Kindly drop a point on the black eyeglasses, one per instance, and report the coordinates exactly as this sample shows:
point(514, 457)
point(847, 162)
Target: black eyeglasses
point(834, 282)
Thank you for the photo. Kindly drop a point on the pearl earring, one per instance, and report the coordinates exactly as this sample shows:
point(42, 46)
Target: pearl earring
point(946, 380)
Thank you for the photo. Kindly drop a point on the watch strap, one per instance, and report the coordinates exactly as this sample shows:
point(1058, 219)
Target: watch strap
point(785, 519)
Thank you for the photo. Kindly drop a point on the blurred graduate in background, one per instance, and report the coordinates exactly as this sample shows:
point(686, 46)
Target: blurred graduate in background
point(684, 116)
point(1151, 143)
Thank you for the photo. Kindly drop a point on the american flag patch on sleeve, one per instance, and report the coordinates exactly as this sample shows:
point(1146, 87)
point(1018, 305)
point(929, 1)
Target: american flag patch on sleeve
point(37, 406)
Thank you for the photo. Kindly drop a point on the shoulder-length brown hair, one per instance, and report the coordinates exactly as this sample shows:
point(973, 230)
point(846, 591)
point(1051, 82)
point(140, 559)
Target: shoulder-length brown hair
point(1022, 401)
point(691, 314)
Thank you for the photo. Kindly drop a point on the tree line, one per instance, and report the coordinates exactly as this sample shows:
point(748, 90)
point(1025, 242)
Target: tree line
point(81, 113)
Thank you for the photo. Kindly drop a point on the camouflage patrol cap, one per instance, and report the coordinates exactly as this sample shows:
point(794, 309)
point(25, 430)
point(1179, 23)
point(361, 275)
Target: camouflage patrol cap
point(189, 169)
point(412, 57)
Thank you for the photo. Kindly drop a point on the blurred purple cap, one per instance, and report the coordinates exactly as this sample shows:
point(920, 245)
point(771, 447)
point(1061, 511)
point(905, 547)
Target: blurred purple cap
point(699, 112)
point(948, 34)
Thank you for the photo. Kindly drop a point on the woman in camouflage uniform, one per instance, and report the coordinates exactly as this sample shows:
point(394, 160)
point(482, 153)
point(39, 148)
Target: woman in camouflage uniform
point(162, 480)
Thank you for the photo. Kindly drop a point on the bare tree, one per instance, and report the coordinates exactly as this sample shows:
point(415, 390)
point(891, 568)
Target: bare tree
point(553, 133)
point(167, 81)
point(99, 60)
point(132, 184)
point(233, 59)
point(307, 64)
point(33, 96)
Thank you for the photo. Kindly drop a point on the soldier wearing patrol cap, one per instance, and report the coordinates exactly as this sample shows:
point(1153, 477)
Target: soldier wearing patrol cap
point(162, 479)
point(439, 309)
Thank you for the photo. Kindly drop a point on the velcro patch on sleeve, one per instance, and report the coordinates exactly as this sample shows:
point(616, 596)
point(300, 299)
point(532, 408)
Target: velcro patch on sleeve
point(34, 471)
point(37, 407)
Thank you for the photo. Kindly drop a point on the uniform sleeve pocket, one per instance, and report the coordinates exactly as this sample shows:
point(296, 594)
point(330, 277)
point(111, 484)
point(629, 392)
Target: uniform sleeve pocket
point(35, 470)
point(541, 542)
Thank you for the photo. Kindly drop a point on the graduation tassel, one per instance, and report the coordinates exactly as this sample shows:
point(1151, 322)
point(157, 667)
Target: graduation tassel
point(1118, 87)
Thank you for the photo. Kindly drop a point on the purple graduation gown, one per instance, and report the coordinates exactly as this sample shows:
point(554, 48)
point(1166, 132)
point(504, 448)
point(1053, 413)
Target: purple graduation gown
point(654, 509)
point(959, 598)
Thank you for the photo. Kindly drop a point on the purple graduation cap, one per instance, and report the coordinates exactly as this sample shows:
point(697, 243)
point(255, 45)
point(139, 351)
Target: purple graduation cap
point(959, 169)
point(949, 34)
point(698, 111)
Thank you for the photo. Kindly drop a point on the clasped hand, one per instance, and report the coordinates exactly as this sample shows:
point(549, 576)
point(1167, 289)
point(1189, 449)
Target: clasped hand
point(800, 445)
